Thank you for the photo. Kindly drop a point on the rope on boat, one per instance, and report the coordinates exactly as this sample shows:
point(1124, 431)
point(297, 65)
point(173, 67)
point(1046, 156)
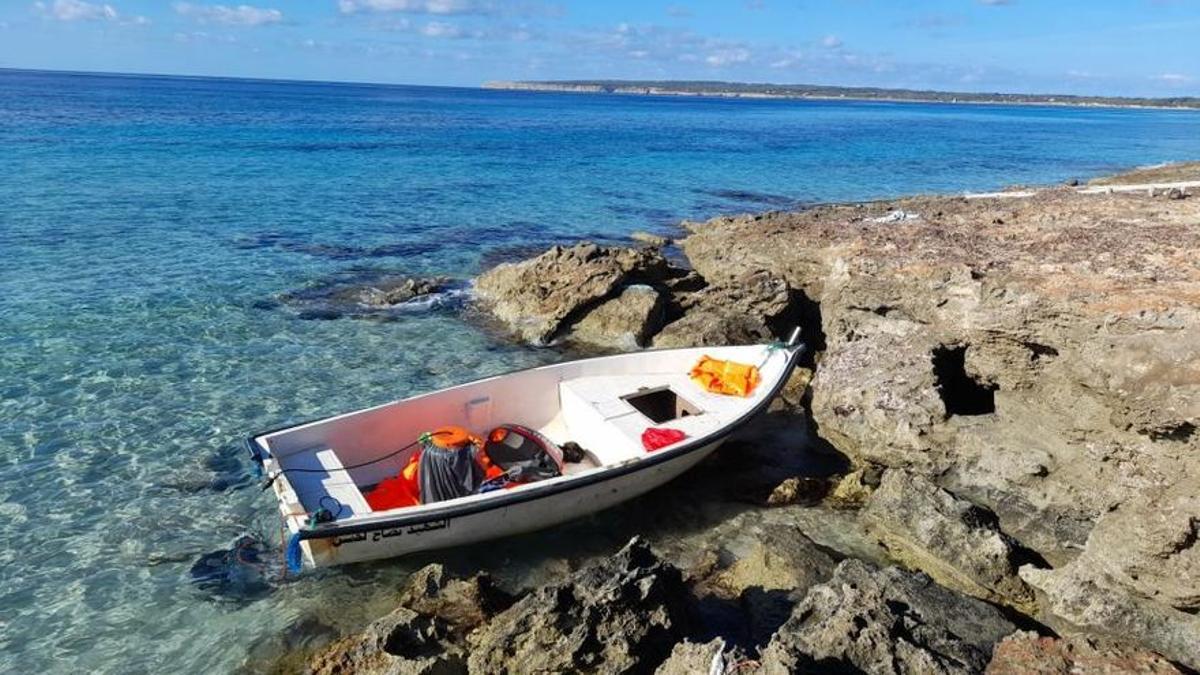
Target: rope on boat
point(424, 437)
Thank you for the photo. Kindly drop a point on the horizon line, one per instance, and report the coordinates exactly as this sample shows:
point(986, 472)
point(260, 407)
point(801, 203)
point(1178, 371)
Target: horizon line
point(482, 85)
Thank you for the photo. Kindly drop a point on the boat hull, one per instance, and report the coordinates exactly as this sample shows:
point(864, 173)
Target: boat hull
point(390, 541)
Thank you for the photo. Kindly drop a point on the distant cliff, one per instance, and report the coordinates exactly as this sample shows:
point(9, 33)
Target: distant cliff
point(753, 90)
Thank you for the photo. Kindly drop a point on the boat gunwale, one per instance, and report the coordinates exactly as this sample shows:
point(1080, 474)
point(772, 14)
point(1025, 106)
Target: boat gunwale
point(533, 491)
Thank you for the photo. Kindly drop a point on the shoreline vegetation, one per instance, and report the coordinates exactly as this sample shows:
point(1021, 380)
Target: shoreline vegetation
point(833, 93)
point(990, 465)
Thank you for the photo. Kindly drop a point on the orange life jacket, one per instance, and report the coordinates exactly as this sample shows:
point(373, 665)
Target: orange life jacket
point(725, 377)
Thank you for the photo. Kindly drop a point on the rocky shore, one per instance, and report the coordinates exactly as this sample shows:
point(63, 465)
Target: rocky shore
point(992, 462)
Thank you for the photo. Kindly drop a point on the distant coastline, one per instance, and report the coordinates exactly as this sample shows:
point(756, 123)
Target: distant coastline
point(823, 93)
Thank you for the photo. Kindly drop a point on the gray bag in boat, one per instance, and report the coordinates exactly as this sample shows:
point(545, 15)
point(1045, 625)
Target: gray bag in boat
point(448, 470)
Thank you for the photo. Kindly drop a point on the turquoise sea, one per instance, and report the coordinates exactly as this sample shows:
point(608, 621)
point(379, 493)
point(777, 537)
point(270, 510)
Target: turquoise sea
point(148, 226)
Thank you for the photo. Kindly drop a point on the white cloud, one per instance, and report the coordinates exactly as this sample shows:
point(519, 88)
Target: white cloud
point(416, 6)
point(1173, 78)
point(241, 15)
point(831, 42)
point(200, 37)
point(441, 29)
point(726, 57)
point(76, 10)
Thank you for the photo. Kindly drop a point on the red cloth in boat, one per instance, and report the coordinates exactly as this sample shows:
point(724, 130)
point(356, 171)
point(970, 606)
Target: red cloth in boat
point(653, 439)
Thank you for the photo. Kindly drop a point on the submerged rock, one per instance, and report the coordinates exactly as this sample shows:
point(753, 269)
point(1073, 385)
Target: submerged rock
point(1027, 653)
point(956, 542)
point(885, 621)
point(372, 294)
point(538, 298)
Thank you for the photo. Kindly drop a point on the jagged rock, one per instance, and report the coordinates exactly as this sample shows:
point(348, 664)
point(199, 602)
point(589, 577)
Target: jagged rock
point(402, 643)
point(625, 322)
point(1027, 653)
point(649, 239)
point(885, 621)
point(756, 307)
point(1138, 578)
point(1152, 546)
point(1034, 356)
point(538, 298)
point(956, 542)
point(798, 490)
point(780, 558)
point(463, 603)
point(690, 658)
point(623, 614)
point(769, 575)
point(853, 489)
point(877, 395)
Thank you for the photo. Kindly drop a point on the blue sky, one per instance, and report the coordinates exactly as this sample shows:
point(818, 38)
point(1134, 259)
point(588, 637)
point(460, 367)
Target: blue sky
point(1131, 47)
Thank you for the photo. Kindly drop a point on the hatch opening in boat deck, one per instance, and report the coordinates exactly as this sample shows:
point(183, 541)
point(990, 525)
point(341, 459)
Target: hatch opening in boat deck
point(661, 404)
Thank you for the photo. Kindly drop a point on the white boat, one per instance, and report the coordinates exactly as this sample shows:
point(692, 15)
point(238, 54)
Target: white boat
point(604, 404)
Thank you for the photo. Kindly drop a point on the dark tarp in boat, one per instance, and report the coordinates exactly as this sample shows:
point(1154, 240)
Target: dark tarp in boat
point(448, 468)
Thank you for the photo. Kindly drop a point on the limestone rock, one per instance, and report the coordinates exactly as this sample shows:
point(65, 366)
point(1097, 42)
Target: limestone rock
point(401, 643)
point(781, 558)
point(1136, 579)
point(538, 298)
point(951, 539)
point(624, 614)
point(798, 490)
point(1027, 653)
point(462, 603)
point(653, 240)
point(885, 621)
point(755, 307)
point(853, 489)
point(626, 322)
point(1152, 546)
point(690, 658)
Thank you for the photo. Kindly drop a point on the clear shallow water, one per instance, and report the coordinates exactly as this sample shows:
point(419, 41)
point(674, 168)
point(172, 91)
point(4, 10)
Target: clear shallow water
point(143, 222)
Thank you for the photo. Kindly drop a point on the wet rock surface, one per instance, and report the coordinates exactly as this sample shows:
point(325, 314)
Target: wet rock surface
point(373, 294)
